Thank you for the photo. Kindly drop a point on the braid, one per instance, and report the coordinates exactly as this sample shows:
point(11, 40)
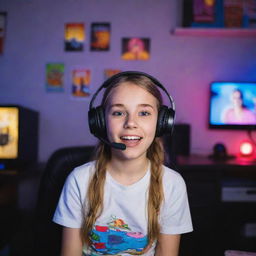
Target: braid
point(95, 193)
point(156, 195)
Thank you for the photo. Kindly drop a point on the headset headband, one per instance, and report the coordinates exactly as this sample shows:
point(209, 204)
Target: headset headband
point(138, 73)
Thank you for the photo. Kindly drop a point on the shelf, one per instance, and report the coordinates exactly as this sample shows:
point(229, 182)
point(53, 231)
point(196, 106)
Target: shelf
point(225, 32)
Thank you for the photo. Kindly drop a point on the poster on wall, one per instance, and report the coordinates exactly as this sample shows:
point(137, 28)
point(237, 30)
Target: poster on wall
point(81, 81)
point(100, 36)
point(74, 37)
point(204, 10)
point(54, 77)
point(240, 13)
point(135, 48)
point(203, 13)
point(250, 14)
point(233, 13)
point(3, 18)
point(219, 13)
point(110, 72)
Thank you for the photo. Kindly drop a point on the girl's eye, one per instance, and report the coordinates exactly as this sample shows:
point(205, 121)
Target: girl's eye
point(117, 113)
point(144, 113)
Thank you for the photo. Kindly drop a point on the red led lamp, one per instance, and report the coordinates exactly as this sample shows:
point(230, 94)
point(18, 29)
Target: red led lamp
point(247, 151)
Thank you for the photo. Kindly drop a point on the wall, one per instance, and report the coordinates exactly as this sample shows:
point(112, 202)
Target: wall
point(185, 65)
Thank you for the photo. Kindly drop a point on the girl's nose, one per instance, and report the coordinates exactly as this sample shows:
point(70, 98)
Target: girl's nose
point(130, 122)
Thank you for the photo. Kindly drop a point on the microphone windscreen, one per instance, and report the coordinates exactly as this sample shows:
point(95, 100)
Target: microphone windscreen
point(118, 145)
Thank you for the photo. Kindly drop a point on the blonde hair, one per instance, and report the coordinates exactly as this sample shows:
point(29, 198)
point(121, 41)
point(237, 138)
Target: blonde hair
point(155, 154)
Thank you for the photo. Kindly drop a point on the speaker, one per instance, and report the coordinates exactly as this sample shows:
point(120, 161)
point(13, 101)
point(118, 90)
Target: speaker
point(178, 144)
point(220, 153)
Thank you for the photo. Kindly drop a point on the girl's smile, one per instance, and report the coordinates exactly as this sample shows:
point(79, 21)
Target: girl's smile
point(130, 140)
point(131, 116)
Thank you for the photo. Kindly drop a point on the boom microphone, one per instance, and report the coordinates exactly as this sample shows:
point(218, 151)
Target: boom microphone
point(115, 145)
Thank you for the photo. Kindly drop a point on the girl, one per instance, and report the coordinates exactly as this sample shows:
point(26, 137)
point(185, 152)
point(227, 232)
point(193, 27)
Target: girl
point(125, 202)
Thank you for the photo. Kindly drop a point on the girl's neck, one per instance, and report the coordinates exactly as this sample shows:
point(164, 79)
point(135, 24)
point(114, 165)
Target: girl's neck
point(238, 111)
point(128, 172)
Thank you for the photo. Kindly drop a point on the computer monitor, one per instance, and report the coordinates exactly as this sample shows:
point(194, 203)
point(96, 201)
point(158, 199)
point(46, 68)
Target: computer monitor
point(232, 105)
point(18, 136)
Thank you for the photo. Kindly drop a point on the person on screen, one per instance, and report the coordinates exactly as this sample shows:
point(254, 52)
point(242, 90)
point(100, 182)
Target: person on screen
point(238, 113)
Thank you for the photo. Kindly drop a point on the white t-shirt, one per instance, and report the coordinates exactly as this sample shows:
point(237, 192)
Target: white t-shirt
point(122, 227)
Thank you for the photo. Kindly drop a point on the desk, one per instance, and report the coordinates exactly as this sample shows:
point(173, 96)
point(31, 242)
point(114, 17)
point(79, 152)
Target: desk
point(18, 194)
point(218, 225)
point(8, 205)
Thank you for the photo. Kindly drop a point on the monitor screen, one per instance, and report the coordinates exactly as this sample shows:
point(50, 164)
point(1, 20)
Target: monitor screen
point(18, 136)
point(232, 105)
point(9, 118)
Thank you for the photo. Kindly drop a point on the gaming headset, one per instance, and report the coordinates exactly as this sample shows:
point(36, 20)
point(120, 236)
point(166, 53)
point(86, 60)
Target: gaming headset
point(96, 115)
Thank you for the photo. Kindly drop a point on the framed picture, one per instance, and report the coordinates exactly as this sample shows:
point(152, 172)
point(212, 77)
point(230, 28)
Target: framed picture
point(204, 11)
point(100, 36)
point(110, 72)
point(81, 82)
point(3, 19)
point(55, 77)
point(74, 37)
point(219, 13)
point(135, 48)
point(240, 13)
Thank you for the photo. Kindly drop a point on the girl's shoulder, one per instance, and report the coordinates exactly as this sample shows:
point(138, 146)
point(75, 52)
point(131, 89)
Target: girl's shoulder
point(170, 173)
point(172, 179)
point(83, 172)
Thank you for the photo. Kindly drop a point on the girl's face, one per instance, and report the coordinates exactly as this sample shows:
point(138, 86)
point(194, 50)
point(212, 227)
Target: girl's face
point(236, 99)
point(131, 117)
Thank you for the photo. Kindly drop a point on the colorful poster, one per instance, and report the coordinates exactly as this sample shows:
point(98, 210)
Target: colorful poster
point(250, 14)
point(81, 81)
point(204, 10)
point(110, 72)
point(54, 77)
point(233, 13)
point(74, 36)
point(9, 132)
point(100, 36)
point(2, 30)
point(203, 13)
point(135, 48)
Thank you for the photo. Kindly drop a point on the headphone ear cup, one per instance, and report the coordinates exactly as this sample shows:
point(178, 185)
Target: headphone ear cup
point(165, 122)
point(97, 122)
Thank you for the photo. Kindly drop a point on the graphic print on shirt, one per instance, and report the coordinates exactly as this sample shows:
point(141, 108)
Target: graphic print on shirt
point(116, 237)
